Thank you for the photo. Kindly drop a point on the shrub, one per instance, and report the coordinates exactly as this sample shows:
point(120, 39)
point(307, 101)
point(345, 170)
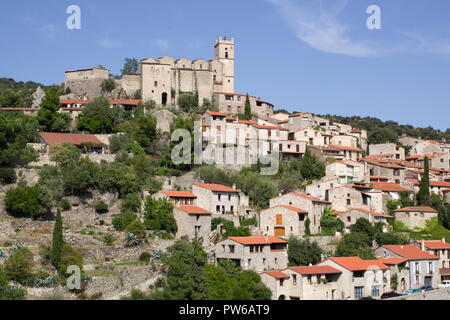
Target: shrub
point(108, 85)
point(26, 201)
point(69, 257)
point(19, 266)
point(108, 239)
point(145, 257)
point(248, 222)
point(137, 228)
point(121, 222)
point(131, 240)
point(65, 205)
point(7, 175)
point(131, 202)
point(101, 207)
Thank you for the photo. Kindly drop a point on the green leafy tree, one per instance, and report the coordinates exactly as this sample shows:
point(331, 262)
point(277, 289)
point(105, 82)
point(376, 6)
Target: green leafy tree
point(187, 102)
point(302, 252)
point(28, 201)
point(330, 223)
point(11, 99)
point(8, 292)
point(48, 116)
point(312, 168)
point(130, 66)
point(99, 118)
point(108, 85)
point(185, 264)
point(158, 215)
point(19, 266)
point(355, 244)
point(248, 109)
point(57, 241)
point(145, 132)
point(424, 192)
point(64, 153)
point(364, 226)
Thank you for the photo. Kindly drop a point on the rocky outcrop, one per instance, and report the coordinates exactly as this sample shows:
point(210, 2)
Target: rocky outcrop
point(38, 96)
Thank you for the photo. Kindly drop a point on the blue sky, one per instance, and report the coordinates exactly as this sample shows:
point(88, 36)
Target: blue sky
point(304, 55)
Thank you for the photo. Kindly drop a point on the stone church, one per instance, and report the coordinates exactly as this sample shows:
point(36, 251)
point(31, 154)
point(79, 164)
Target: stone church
point(164, 79)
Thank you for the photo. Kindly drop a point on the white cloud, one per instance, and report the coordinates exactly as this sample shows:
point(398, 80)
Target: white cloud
point(109, 43)
point(162, 44)
point(321, 29)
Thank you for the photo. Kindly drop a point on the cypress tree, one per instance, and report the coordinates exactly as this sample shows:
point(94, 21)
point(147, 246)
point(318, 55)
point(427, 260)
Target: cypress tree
point(248, 109)
point(424, 192)
point(57, 241)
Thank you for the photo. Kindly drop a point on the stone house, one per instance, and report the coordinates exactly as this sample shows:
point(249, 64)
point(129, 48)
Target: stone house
point(217, 198)
point(382, 165)
point(436, 187)
point(303, 283)
point(388, 148)
point(390, 189)
point(439, 160)
point(319, 187)
point(312, 136)
point(344, 197)
point(193, 222)
point(302, 120)
point(346, 171)
point(359, 278)
point(414, 217)
point(178, 198)
point(344, 140)
point(234, 103)
point(87, 143)
point(283, 221)
point(440, 249)
point(314, 206)
point(350, 153)
point(256, 253)
point(422, 267)
point(350, 216)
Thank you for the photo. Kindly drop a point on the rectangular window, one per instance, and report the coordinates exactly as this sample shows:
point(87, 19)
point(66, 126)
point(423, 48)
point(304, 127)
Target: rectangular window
point(156, 83)
point(375, 291)
point(231, 249)
point(294, 279)
point(359, 292)
point(218, 197)
point(218, 208)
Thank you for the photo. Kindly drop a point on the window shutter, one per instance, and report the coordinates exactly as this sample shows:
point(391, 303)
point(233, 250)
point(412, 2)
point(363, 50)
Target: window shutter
point(428, 267)
point(433, 266)
point(414, 278)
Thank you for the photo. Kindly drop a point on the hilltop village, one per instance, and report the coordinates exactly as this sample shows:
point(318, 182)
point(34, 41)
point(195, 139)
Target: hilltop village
point(336, 217)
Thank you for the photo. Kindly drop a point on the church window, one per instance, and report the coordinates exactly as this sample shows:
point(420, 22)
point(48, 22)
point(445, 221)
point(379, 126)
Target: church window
point(156, 83)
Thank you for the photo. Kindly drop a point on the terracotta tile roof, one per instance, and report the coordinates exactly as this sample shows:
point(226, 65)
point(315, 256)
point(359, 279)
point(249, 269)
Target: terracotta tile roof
point(20, 109)
point(205, 125)
point(230, 118)
point(247, 122)
point(433, 183)
point(422, 156)
point(277, 274)
point(387, 186)
point(259, 126)
point(375, 214)
point(416, 209)
point(436, 244)
point(216, 187)
point(215, 113)
point(309, 198)
point(343, 162)
point(257, 240)
point(382, 163)
point(315, 270)
point(358, 264)
point(347, 148)
point(392, 260)
point(178, 194)
point(194, 210)
point(73, 138)
point(70, 101)
point(133, 102)
point(410, 252)
point(287, 207)
point(378, 178)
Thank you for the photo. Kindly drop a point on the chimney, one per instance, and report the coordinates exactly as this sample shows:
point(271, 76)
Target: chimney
point(422, 245)
point(443, 239)
point(401, 247)
point(266, 238)
point(234, 186)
